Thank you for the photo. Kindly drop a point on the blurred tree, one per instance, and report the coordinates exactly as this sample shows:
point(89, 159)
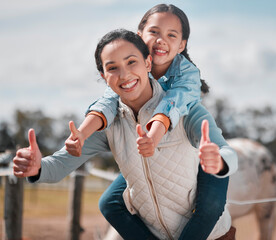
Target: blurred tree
point(6, 140)
point(42, 126)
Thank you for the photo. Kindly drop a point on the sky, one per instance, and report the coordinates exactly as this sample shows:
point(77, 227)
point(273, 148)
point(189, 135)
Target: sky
point(47, 48)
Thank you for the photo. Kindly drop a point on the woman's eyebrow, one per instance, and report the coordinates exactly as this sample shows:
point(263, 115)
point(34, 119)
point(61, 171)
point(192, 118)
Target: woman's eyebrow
point(125, 58)
point(129, 56)
point(108, 63)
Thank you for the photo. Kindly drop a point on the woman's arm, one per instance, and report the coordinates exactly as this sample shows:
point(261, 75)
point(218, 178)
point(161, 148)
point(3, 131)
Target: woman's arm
point(61, 163)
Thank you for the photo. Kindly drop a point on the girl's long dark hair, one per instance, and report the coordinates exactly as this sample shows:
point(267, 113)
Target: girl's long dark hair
point(185, 29)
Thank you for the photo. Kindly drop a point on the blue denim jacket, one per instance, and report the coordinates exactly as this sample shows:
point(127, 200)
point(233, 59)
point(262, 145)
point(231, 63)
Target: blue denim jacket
point(181, 84)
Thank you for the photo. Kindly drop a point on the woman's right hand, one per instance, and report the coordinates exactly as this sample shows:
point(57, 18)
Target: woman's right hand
point(27, 161)
point(75, 141)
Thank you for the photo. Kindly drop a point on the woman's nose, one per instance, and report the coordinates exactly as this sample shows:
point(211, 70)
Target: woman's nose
point(124, 73)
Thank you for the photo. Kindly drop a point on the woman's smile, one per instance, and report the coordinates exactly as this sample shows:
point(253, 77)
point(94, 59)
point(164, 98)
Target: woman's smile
point(129, 85)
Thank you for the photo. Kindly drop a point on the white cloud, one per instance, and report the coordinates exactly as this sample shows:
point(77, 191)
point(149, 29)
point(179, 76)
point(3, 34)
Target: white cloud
point(46, 65)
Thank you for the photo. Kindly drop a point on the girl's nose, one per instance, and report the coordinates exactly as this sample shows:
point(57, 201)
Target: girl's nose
point(160, 40)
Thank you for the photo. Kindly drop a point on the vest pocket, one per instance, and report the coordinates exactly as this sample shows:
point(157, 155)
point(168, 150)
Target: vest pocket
point(127, 200)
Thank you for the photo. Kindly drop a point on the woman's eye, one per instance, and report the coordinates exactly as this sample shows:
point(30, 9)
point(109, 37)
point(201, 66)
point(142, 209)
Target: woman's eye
point(131, 62)
point(111, 68)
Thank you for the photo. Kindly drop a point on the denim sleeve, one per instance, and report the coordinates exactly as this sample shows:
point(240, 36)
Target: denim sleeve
point(107, 105)
point(57, 166)
point(192, 124)
point(182, 92)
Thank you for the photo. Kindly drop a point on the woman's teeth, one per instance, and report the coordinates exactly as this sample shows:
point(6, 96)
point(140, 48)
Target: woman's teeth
point(129, 85)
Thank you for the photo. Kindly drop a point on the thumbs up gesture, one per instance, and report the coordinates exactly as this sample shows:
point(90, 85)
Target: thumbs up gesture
point(27, 161)
point(75, 141)
point(145, 144)
point(210, 159)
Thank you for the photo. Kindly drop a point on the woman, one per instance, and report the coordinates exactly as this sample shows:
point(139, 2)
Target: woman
point(160, 189)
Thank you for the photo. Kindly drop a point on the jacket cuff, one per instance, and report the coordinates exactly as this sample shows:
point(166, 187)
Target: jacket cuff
point(161, 118)
point(101, 116)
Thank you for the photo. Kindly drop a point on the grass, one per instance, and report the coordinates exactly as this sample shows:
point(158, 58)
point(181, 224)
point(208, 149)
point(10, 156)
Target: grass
point(40, 202)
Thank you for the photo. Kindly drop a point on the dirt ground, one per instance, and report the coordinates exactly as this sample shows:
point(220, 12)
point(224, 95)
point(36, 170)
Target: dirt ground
point(56, 228)
point(94, 225)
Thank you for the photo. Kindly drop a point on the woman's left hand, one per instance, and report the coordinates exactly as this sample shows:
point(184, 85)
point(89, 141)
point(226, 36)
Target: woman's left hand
point(210, 158)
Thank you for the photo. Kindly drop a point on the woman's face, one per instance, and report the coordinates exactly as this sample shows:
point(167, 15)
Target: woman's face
point(163, 36)
point(126, 72)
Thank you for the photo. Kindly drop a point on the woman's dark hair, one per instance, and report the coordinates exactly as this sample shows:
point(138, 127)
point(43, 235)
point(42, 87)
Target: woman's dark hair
point(118, 34)
point(185, 29)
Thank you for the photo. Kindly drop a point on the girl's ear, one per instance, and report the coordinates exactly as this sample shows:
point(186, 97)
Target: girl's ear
point(182, 46)
point(149, 63)
point(139, 33)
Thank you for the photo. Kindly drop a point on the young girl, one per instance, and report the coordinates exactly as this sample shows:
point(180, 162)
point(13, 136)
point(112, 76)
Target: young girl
point(165, 30)
point(161, 188)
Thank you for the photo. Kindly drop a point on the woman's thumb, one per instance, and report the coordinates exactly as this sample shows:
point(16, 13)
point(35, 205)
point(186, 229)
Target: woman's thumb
point(32, 139)
point(140, 131)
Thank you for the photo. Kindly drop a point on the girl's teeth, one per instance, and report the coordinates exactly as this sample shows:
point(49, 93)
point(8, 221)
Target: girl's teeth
point(160, 51)
point(129, 85)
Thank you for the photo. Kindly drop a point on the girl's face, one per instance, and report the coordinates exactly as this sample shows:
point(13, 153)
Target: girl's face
point(126, 72)
point(163, 36)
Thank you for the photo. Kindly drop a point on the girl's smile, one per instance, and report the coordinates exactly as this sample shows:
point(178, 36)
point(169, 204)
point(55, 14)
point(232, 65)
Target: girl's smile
point(163, 36)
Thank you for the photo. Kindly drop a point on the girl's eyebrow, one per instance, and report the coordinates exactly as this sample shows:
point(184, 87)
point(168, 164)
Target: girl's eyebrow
point(127, 57)
point(171, 30)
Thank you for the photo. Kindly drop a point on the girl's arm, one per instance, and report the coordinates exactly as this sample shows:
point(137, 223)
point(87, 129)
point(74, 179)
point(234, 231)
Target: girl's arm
point(106, 105)
point(99, 115)
point(182, 86)
point(192, 124)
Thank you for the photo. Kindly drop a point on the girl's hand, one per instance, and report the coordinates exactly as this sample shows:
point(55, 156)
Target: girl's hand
point(27, 161)
point(75, 141)
point(145, 144)
point(210, 159)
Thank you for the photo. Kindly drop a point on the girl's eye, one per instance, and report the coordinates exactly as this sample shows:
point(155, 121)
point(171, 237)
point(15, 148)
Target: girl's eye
point(131, 62)
point(153, 31)
point(172, 35)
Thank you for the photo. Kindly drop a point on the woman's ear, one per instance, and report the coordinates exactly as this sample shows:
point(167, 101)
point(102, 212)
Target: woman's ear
point(149, 63)
point(102, 75)
point(182, 46)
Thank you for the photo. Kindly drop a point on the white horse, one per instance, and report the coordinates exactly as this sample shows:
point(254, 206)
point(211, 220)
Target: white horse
point(255, 180)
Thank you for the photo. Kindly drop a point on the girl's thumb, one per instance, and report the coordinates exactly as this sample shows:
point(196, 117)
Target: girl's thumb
point(140, 131)
point(73, 129)
point(32, 139)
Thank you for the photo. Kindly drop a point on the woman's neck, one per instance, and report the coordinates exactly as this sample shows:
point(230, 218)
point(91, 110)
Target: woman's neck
point(138, 103)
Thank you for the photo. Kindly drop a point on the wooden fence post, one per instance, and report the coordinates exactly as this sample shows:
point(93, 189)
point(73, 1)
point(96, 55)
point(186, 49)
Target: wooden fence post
point(75, 197)
point(13, 208)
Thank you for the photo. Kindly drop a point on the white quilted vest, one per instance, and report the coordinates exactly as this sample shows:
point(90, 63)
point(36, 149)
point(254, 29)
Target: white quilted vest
point(160, 189)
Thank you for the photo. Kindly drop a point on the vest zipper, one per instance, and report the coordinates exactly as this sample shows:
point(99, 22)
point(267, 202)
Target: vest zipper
point(160, 218)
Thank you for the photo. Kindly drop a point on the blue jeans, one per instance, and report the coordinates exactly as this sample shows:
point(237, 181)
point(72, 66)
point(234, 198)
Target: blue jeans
point(209, 206)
